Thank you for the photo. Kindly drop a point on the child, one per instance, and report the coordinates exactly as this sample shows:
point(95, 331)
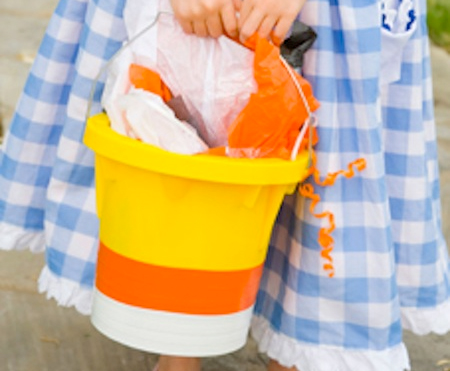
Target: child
point(370, 70)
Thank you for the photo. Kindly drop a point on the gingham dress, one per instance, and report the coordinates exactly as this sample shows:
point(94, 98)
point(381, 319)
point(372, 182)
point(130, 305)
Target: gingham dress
point(391, 265)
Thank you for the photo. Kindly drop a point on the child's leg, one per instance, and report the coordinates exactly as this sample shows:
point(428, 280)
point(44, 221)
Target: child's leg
point(171, 363)
point(275, 366)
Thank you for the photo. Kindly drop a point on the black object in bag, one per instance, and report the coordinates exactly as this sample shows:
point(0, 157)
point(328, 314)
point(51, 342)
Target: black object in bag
point(294, 47)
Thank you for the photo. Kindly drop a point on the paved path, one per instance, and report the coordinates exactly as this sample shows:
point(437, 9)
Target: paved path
point(36, 335)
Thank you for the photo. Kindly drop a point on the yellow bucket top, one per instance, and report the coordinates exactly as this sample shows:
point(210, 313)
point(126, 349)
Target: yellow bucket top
point(106, 142)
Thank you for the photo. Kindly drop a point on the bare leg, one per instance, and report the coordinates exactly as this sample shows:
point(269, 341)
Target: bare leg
point(171, 363)
point(275, 366)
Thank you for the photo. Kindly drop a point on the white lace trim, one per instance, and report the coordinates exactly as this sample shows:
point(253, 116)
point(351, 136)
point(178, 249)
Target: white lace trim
point(15, 238)
point(67, 293)
point(304, 357)
point(423, 321)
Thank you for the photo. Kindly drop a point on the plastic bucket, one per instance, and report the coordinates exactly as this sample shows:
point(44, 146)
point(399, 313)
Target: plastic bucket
point(182, 242)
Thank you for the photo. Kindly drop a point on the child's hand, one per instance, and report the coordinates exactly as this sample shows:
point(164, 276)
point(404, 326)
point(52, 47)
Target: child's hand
point(207, 17)
point(269, 18)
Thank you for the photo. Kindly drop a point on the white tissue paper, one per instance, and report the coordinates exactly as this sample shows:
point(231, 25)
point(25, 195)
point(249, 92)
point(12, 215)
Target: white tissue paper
point(161, 128)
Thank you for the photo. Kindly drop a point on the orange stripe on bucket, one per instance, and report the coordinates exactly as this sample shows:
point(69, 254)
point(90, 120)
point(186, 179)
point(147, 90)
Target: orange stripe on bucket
point(175, 290)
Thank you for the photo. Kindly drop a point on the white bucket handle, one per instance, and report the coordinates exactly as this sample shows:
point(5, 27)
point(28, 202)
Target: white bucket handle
point(116, 55)
point(311, 120)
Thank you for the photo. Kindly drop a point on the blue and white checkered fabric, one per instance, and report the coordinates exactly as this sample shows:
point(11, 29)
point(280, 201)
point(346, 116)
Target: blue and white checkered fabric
point(390, 257)
point(46, 174)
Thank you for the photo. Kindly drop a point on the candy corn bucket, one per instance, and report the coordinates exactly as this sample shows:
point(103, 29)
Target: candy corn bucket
point(182, 242)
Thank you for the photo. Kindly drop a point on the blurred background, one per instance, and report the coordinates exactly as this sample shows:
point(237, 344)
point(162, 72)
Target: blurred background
point(439, 22)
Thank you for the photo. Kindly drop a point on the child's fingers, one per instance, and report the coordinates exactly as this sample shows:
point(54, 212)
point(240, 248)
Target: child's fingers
point(237, 5)
point(251, 24)
point(186, 26)
point(214, 26)
point(200, 28)
point(207, 17)
point(266, 27)
point(281, 29)
point(245, 10)
point(263, 16)
point(229, 20)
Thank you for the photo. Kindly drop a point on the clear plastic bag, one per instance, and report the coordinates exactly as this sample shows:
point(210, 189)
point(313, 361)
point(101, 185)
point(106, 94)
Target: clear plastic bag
point(214, 77)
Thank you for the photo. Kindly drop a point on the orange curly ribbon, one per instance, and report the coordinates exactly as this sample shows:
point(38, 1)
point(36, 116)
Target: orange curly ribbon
point(326, 241)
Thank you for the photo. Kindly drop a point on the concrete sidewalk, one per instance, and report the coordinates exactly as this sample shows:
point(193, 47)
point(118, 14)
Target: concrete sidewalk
point(36, 335)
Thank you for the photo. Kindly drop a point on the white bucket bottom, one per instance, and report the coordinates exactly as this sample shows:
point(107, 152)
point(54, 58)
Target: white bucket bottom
point(170, 333)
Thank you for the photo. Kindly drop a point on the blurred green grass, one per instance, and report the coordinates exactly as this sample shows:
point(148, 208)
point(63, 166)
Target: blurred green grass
point(439, 22)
